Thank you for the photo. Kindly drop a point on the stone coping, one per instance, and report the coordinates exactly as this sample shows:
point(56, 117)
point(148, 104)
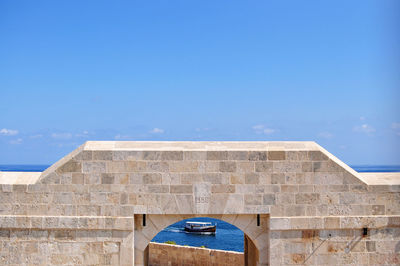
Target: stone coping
point(66, 222)
point(200, 145)
point(19, 177)
point(197, 248)
point(381, 178)
point(333, 222)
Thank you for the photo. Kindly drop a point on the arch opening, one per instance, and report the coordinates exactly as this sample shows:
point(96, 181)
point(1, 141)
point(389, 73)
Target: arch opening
point(247, 245)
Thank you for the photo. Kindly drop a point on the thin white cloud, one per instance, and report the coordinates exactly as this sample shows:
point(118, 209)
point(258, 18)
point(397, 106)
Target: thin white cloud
point(262, 129)
point(16, 141)
point(362, 118)
point(365, 128)
point(61, 135)
point(202, 129)
point(325, 135)
point(157, 131)
point(395, 125)
point(83, 134)
point(8, 132)
point(396, 128)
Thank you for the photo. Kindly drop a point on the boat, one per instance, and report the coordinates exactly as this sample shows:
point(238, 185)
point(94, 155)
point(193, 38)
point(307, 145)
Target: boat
point(200, 227)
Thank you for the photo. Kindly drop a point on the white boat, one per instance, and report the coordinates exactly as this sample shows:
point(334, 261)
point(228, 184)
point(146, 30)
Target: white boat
point(200, 227)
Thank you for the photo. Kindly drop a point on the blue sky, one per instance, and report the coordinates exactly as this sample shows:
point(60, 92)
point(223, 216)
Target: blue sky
point(72, 71)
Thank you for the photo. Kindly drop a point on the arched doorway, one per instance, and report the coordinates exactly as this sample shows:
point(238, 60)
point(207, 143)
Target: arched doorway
point(255, 229)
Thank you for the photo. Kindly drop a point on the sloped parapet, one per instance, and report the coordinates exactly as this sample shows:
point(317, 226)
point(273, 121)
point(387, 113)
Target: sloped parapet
point(314, 209)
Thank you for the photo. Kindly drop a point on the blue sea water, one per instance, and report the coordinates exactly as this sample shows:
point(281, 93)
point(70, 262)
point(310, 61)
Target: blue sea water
point(227, 237)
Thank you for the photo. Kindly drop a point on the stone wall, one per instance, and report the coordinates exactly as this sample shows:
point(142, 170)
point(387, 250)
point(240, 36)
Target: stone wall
point(59, 247)
point(336, 247)
point(165, 254)
point(108, 186)
point(27, 240)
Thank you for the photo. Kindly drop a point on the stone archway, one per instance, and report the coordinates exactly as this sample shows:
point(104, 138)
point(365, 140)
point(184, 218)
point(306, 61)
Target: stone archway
point(256, 235)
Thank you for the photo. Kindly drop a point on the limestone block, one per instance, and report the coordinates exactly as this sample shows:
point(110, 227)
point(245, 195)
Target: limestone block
point(158, 188)
point(278, 178)
point(68, 222)
point(326, 166)
point(190, 178)
point(151, 155)
point(307, 198)
point(280, 224)
point(84, 156)
point(237, 179)
point(194, 155)
point(246, 189)
point(213, 178)
point(284, 198)
point(93, 167)
point(184, 189)
point(77, 178)
point(252, 199)
point(328, 178)
point(226, 166)
point(252, 178)
point(208, 166)
point(158, 166)
point(290, 188)
point(258, 155)
point(217, 155)
point(169, 204)
point(170, 178)
point(172, 155)
point(338, 188)
point(276, 155)
point(264, 167)
point(294, 210)
point(297, 155)
point(151, 178)
point(102, 155)
point(185, 203)
point(107, 179)
point(307, 167)
point(269, 199)
point(70, 166)
point(238, 155)
point(127, 155)
point(268, 188)
point(287, 167)
point(126, 166)
point(183, 166)
point(223, 188)
point(98, 198)
point(306, 188)
point(317, 156)
point(245, 167)
point(265, 179)
point(63, 198)
point(216, 204)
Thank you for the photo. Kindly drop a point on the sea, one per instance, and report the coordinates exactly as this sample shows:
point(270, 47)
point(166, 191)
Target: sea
point(227, 236)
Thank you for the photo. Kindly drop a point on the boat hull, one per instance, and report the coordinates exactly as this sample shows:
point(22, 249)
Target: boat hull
point(203, 230)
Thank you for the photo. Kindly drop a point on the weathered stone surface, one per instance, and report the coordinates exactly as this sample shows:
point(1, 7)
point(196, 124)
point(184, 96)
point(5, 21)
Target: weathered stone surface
point(86, 202)
point(276, 155)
